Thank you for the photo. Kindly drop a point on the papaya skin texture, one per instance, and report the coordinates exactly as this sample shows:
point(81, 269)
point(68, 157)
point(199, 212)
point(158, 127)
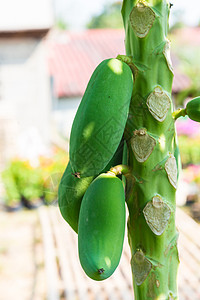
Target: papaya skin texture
point(101, 117)
point(70, 194)
point(72, 189)
point(193, 109)
point(101, 227)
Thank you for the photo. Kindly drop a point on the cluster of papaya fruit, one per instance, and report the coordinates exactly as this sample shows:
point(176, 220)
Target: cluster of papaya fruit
point(91, 198)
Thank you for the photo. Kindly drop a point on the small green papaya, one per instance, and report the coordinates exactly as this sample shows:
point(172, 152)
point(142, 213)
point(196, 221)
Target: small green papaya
point(193, 109)
point(101, 117)
point(101, 226)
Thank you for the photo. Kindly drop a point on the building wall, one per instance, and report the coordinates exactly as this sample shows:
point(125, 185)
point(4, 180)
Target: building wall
point(63, 113)
point(24, 89)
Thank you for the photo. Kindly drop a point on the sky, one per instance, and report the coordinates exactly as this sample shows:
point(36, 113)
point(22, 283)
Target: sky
point(78, 12)
point(25, 14)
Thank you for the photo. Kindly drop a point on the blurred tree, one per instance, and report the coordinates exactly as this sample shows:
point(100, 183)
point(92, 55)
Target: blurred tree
point(190, 66)
point(109, 18)
point(191, 92)
point(61, 24)
point(177, 25)
point(177, 20)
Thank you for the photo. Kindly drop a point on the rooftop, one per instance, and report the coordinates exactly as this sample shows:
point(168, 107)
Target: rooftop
point(188, 35)
point(73, 56)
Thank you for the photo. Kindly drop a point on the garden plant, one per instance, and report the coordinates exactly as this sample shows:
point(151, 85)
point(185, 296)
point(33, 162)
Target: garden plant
point(26, 184)
point(123, 149)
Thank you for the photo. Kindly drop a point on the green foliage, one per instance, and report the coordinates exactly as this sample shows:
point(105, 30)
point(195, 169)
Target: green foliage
point(189, 150)
point(188, 54)
point(22, 180)
point(190, 92)
point(176, 25)
point(61, 24)
point(109, 18)
point(12, 193)
point(177, 20)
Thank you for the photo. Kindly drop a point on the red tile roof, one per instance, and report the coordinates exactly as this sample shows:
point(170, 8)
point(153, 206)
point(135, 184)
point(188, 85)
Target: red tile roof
point(188, 35)
point(73, 56)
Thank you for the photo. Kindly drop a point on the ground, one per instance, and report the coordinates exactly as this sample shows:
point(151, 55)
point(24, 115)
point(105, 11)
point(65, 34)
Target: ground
point(39, 260)
point(21, 256)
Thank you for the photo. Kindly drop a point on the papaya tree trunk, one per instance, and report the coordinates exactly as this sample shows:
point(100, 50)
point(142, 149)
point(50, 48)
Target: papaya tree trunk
point(151, 142)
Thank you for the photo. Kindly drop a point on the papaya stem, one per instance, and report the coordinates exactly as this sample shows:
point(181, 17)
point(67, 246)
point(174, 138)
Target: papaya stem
point(120, 170)
point(181, 112)
point(151, 144)
point(129, 61)
point(126, 59)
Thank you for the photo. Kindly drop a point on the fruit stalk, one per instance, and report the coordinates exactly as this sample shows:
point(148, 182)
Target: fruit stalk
point(151, 142)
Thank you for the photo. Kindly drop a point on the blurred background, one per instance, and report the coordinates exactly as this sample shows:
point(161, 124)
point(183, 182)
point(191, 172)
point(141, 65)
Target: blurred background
point(48, 51)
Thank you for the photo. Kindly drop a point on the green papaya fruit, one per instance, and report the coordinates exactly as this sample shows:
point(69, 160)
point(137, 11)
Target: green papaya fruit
point(101, 226)
point(72, 188)
point(193, 109)
point(101, 117)
point(70, 193)
point(116, 159)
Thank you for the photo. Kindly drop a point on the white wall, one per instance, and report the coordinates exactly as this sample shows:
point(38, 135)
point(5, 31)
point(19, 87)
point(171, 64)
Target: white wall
point(25, 86)
point(64, 113)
